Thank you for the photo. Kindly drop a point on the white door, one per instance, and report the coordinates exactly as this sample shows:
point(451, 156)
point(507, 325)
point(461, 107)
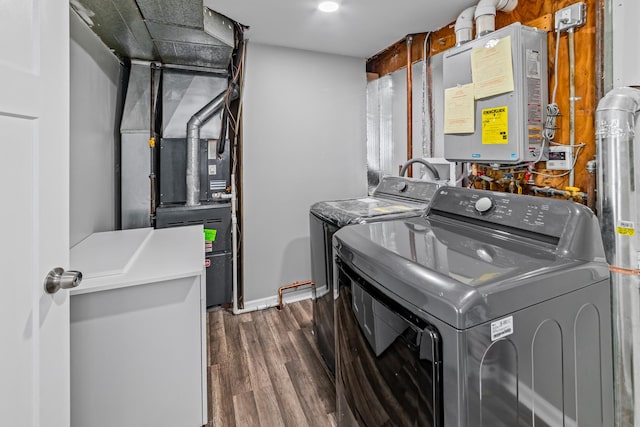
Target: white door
point(34, 211)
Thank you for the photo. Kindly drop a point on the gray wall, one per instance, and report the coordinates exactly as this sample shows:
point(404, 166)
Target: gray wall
point(95, 73)
point(304, 141)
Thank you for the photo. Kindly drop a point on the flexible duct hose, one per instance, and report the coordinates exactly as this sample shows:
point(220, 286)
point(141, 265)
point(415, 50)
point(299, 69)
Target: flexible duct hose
point(434, 172)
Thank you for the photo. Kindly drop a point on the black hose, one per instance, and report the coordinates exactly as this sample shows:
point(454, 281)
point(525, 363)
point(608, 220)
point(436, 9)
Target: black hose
point(434, 172)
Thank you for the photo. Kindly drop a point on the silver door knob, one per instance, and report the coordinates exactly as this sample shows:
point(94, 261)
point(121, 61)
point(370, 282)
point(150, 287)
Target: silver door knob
point(59, 279)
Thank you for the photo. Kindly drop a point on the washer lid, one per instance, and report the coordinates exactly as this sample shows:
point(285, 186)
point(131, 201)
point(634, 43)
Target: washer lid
point(358, 211)
point(395, 197)
point(462, 274)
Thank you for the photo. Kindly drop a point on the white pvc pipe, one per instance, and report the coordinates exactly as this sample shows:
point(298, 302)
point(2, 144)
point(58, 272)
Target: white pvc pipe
point(464, 26)
point(485, 15)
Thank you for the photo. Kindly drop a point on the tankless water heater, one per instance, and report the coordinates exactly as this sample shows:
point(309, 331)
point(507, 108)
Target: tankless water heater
point(505, 73)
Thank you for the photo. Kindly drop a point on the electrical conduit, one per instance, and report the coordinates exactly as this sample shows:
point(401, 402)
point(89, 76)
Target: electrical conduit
point(572, 103)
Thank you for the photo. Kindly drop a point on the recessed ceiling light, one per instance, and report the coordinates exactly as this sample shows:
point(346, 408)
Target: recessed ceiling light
point(328, 6)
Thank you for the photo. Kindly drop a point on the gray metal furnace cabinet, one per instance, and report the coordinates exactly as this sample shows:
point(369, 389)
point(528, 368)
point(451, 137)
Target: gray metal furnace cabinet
point(138, 343)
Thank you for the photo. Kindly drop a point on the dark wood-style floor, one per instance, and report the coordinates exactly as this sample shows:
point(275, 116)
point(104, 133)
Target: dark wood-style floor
point(264, 370)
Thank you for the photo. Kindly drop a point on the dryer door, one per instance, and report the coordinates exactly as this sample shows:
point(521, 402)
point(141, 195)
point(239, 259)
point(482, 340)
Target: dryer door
point(388, 368)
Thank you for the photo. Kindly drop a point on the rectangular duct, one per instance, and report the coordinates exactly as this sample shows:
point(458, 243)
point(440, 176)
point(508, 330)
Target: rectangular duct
point(119, 25)
point(183, 94)
point(184, 13)
point(179, 32)
point(135, 166)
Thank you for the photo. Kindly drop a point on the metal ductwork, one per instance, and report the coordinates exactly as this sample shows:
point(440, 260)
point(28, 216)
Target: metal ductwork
point(485, 14)
point(193, 140)
point(135, 129)
point(180, 32)
point(619, 212)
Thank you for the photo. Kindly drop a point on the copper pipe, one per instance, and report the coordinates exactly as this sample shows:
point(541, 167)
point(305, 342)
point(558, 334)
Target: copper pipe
point(293, 285)
point(409, 106)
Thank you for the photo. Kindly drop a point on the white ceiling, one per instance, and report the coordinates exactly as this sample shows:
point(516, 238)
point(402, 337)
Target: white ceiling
point(361, 28)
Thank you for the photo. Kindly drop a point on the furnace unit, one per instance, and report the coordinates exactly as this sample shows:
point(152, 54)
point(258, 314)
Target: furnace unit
point(186, 96)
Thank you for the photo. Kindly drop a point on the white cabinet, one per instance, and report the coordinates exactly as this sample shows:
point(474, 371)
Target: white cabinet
point(138, 343)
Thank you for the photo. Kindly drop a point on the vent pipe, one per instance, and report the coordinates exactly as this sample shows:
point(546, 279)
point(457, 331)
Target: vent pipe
point(485, 14)
point(193, 140)
point(618, 199)
point(464, 26)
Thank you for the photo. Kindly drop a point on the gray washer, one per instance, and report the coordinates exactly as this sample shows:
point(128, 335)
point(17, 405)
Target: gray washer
point(395, 197)
point(492, 310)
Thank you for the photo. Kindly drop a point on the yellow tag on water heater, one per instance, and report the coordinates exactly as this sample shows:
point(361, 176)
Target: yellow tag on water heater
point(626, 228)
point(495, 125)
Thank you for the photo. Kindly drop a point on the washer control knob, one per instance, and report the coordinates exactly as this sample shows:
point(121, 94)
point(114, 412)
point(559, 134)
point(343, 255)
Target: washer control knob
point(484, 204)
point(402, 187)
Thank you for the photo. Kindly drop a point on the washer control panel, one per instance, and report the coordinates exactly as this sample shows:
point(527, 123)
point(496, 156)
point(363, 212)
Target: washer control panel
point(536, 214)
point(406, 188)
point(484, 205)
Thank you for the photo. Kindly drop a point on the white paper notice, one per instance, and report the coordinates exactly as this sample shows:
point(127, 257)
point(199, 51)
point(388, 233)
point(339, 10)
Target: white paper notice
point(491, 69)
point(459, 109)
